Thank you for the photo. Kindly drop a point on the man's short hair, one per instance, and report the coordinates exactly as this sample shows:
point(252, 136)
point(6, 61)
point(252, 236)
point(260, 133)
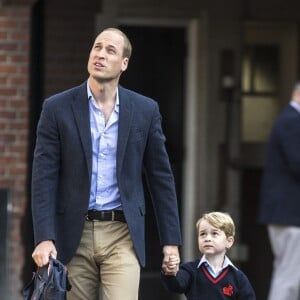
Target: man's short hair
point(127, 45)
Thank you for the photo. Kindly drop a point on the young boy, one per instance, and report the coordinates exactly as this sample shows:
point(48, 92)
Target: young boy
point(213, 276)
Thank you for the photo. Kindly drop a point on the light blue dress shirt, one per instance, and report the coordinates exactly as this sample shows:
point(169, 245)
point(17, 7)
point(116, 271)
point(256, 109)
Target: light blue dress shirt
point(227, 262)
point(104, 194)
point(295, 105)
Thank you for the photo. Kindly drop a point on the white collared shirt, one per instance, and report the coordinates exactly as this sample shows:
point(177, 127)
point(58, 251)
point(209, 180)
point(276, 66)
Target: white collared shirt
point(227, 262)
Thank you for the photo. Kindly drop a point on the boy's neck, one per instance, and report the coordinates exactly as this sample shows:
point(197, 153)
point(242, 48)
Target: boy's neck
point(216, 261)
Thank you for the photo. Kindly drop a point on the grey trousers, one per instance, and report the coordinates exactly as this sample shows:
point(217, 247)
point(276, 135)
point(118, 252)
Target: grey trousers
point(285, 243)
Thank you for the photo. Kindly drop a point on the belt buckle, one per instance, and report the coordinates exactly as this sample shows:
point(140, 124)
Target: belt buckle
point(88, 218)
point(112, 215)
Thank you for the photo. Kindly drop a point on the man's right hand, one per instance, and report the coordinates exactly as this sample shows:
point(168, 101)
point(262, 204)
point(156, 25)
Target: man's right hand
point(42, 252)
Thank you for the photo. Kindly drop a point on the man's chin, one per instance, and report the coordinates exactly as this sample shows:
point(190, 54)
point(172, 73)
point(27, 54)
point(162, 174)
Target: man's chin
point(105, 79)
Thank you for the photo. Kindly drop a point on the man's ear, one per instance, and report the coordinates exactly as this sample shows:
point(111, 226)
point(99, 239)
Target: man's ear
point(124, 64)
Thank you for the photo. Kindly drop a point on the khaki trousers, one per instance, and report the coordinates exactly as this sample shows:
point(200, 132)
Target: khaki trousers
point(285, 243)
point(105, 258)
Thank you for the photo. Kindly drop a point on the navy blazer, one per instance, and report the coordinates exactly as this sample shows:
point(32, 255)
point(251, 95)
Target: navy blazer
point(62, 167)
point(280, 192)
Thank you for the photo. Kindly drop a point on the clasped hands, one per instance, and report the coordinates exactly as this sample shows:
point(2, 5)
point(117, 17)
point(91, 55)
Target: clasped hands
point(170, 265)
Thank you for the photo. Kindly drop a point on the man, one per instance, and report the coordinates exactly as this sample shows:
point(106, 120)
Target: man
point(280, 203)
point(93, 143)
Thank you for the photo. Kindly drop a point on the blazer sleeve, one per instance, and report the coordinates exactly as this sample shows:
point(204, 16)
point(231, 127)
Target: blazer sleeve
point(161, 183)
point(289, 131)
point(45, 174)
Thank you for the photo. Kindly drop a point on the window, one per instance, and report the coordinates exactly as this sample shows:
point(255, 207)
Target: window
point(260, 76)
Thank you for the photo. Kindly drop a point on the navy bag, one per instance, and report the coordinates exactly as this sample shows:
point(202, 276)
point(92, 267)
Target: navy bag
point(48, 287)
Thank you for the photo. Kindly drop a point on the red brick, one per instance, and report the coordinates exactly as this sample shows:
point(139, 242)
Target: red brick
point(17, 149)
point(5, 182)
point(4, 69)
point(21, 115)
point(9, 46)
point(8, 23)
point(8, 138)
point(3, 35)
point(23, 69)
point(17, 170)
point(7, 114)
point(18, 80)
point(19, 102)
point(3, 81)
point(7, 91)
point(3, 58)
point(19, 35)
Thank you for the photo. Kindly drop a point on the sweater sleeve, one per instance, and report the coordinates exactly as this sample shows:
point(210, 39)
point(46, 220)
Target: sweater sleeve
point(246, 291)
point(179, 283)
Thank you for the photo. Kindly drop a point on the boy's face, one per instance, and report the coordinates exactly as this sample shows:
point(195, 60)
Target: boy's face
point(212, 241)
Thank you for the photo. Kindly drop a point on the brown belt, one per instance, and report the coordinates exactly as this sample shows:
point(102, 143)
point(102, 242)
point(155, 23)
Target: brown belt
point(106, 215)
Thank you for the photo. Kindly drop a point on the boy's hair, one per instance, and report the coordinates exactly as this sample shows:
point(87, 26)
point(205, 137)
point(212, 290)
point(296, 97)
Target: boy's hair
point(220, 220)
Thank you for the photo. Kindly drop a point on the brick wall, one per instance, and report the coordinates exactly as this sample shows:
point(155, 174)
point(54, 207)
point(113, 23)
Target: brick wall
point(14, 77)
point(69, 32)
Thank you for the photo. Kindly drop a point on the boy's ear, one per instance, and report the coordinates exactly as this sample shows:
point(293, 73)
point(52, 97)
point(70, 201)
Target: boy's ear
point(230, 241)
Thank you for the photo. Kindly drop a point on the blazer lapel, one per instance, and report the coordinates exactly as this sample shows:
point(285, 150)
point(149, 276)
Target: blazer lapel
point(125, 117)
point(80, 106)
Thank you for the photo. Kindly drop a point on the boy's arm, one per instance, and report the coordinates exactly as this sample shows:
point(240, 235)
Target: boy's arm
point(246, 291)
point(179, 283)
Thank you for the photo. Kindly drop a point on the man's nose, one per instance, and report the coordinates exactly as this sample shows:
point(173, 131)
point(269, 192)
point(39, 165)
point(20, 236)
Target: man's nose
point(101, 53)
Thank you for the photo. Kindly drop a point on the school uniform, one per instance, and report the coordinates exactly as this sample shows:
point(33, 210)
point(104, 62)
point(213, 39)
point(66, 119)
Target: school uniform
point(196, 281)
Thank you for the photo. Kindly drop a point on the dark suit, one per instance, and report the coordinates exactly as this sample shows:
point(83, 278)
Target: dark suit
point(280, 204)
point(63, 164)
point(280, 194)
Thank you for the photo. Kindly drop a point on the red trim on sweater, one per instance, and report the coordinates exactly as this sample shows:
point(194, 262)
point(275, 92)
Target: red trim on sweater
point(211, 278)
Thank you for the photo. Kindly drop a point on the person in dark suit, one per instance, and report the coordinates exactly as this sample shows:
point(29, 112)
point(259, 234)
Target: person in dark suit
point(94, 142)
point(280, 201)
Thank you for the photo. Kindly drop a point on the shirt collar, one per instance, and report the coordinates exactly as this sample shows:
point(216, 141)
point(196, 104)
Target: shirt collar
point(92, 99)
point(227, 262)
point(295, 105)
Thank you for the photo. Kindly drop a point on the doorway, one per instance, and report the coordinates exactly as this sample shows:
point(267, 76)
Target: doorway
point(157, 70)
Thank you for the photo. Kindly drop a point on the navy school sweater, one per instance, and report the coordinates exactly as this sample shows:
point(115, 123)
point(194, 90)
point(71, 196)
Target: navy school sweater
point(198, 284)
